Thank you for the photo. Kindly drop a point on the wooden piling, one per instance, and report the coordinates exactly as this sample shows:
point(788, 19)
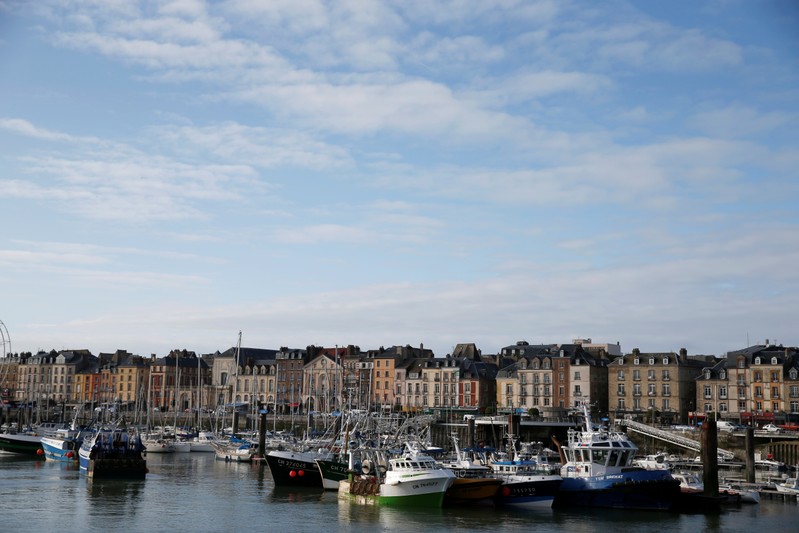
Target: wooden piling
point(710, 459)
point(750, 455)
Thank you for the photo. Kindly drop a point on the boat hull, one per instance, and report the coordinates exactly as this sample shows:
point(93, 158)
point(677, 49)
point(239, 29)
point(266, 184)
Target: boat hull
point(21, 444)
point(535, 493)
point(294, 469)
point(61, 450)
point(641, 489)
point(426, 494)
point(332, 472)
point(472, 491)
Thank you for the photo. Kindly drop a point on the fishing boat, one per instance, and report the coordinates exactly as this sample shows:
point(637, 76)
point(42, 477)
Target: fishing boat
point(474, 482)
point(334, 469)
point(113, 453)
point(21, 444)
point(295, 468)
point(598, 471)
point(63, 445)
point(525, 483)
point(411, 479)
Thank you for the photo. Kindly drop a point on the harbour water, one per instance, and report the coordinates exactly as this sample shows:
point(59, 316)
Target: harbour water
point(194, 492)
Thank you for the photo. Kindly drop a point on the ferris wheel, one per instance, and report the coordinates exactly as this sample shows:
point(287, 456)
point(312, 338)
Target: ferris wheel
point(5, 339)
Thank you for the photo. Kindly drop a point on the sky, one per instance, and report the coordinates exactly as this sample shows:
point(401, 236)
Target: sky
point(410, 172)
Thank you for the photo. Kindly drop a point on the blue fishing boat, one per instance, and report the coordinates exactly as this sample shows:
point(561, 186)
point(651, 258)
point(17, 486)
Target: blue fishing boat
point(113, 452)
point(598, 471)
point(63, 445)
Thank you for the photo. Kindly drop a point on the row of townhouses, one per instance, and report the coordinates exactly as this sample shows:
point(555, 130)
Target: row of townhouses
point(756, 384)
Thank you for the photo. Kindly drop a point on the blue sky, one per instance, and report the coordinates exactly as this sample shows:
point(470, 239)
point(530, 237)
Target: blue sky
point(398, 172)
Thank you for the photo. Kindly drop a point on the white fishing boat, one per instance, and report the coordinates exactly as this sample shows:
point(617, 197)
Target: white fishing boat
point(411, 479)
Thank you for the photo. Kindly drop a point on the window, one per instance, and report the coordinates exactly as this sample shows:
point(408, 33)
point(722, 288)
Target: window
point(637, 389)
point(708, 392)
point(666, 389)
point(722, 391)
point(665, 360)
point(722, 407)
point(576, 376)
point(621, 375)
point(651, 375)
point(621, 403)
point(652, 390)
point(665, 404)
point(636, 361)
point(637, 375)
point(651, 360)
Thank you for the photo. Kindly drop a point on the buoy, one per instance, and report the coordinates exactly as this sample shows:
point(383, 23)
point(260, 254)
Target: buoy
point(39, 452)
point(292, 473)
point(505, 491)
point(300, 473)
point(70, 455)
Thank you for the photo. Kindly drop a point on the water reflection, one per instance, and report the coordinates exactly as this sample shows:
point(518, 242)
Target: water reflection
point(295, 494)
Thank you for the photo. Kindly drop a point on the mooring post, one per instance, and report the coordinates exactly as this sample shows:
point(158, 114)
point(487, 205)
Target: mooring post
point(710, 459)
point(750, 454)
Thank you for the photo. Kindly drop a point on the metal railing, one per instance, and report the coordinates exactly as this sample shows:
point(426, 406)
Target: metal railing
point(672, 438)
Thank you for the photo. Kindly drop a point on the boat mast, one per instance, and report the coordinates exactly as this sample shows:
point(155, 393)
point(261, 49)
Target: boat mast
point(233, 417)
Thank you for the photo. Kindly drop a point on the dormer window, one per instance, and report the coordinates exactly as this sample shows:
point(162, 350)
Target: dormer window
point(757, 360)
point(651, 360)
point(773, 360)
point(636, 361)
point(665, 360)
point(723, 374)
point(793, 373)
point(707, 374)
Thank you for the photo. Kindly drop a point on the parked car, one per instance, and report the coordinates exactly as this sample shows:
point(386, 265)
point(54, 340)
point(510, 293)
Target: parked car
point(771, 428)
point(729, 427)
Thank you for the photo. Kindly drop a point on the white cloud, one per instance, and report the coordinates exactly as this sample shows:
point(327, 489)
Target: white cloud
point(736, 121)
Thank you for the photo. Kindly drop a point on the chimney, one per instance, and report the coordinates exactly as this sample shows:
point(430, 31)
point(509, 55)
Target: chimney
point(683, 355)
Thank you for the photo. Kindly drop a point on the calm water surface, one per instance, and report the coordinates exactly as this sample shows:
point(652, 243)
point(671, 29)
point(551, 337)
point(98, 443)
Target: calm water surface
point(194, 492)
